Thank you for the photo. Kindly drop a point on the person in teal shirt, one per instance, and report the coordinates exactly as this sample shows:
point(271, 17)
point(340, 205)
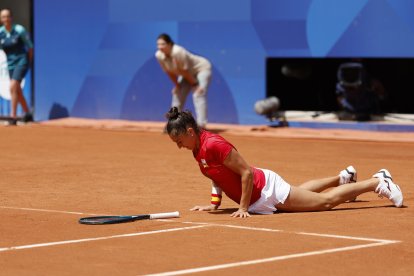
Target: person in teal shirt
point(16, 43)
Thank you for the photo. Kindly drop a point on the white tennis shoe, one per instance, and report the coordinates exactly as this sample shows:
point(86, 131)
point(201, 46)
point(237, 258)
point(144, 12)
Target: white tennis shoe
point(388, 188)
point(349, 175)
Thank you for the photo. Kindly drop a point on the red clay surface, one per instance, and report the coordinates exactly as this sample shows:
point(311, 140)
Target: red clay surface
point(112, 167)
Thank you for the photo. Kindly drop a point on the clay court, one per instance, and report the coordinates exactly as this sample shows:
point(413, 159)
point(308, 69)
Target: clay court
point(54, 173)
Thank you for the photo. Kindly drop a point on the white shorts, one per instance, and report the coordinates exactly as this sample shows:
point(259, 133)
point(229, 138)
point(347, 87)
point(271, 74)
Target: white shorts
point(275, 191)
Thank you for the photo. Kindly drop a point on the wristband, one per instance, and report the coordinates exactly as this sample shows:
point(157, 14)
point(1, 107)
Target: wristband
point(216, 199)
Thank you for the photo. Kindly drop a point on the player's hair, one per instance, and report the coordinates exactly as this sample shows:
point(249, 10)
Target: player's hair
point(166, 38)
point(179, 121)
point(7, 9)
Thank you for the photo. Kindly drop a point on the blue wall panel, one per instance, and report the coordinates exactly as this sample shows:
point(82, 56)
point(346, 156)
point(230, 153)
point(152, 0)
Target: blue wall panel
point(95, 58)
point(178, 10)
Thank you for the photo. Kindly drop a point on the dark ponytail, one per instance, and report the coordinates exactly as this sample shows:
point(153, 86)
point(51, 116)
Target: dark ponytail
point(179, 121)
point(166, 38)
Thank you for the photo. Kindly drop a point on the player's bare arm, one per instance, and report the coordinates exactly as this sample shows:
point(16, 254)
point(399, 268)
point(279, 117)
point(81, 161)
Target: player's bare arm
point(236, 163)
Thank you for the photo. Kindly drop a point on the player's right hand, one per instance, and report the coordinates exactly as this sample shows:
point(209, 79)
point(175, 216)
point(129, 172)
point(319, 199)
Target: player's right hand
point(204, 208)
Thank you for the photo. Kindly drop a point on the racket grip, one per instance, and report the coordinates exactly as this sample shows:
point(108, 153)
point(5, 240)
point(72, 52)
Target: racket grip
point(175, 214)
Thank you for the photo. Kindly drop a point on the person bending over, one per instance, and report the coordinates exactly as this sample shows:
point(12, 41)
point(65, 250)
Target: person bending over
point(188, 72)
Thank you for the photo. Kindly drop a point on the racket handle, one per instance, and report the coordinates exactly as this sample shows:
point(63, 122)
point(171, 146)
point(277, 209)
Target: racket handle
point(175, 214)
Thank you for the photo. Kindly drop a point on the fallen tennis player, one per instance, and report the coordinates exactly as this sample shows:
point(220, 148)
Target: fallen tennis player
point(263, 191)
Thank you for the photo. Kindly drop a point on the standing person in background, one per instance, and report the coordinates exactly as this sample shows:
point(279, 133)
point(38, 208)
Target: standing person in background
point(18, 47)
point(188, 72)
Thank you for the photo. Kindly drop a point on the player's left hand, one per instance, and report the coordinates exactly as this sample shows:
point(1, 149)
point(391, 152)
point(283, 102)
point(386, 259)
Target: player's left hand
point(240, 214)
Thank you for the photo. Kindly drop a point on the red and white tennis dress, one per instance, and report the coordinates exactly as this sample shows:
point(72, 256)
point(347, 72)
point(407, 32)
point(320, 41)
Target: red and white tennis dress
point(269, 188)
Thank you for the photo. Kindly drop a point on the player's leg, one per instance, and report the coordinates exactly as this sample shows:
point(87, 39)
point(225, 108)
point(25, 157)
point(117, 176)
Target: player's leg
point(16, 76)
point(14, 97)
point(301, 200)
point(200, 97)
point(319, 185)
point(180, 95)
point(348, 175)
point(21, 99)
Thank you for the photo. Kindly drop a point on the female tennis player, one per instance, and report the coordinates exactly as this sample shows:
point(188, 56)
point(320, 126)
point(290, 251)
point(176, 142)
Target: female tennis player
point(263, 191)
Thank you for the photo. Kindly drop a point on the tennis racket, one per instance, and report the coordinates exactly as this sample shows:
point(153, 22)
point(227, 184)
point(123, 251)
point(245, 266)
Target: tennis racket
point(122, 219)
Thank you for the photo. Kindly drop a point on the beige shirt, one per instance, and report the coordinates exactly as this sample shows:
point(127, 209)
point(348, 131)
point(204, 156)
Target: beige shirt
point(181, 59)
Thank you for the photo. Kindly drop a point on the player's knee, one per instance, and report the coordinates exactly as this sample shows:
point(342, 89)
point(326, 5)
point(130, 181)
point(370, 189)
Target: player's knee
point(327, 202)
point(14, 87)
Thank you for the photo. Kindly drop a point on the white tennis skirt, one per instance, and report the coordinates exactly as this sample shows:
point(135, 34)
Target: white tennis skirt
point(275, 191)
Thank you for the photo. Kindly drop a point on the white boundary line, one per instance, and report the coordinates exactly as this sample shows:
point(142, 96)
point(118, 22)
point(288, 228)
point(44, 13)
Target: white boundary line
point(46, 210)
point(375, 242)
point(98, 239)
point(266, 260)
point(292, 232)
point(63, 212)
point(347, 237)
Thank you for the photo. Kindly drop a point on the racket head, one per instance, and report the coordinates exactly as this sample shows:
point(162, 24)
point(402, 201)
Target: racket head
point(99, 220)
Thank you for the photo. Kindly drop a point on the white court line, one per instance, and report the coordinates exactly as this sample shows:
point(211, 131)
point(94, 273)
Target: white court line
point(65, 212)
point(267, 260)
point(46, 210)
point(213, 224)
point(97, 239)
point(376, 242)
point(249, 228)
point(292, 232)
point(347, 237)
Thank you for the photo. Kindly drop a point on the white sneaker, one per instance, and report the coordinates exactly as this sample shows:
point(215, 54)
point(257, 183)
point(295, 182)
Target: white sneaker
point(349, 175)
point(388, 188)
